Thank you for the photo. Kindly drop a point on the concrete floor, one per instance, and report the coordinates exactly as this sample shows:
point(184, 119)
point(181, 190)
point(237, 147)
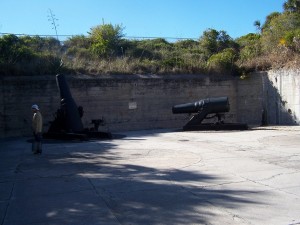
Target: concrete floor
point(155, 177)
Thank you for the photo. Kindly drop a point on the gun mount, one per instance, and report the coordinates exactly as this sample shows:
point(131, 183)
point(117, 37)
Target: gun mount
point(67, 122)
point(207, 109)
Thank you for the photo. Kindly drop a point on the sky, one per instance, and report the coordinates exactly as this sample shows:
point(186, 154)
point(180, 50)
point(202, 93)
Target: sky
point(139, 18)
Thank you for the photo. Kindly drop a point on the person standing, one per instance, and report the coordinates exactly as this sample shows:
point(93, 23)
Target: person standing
point(37, 126)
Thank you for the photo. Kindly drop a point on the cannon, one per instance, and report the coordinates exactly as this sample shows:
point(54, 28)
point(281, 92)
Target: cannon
point(67, 122)
point(207, 109)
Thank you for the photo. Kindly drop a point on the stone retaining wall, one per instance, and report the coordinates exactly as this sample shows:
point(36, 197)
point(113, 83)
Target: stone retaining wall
point(129, 102)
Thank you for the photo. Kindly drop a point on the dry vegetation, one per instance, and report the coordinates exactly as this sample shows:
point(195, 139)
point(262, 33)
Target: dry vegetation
point(104, 51)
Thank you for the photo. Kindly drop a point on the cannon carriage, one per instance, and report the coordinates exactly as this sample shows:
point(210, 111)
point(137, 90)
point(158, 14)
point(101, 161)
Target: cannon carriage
point(208, 109)
point(67, 122)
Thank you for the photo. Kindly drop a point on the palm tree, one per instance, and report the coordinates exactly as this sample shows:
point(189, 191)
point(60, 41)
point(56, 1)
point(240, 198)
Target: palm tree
point(257, 25)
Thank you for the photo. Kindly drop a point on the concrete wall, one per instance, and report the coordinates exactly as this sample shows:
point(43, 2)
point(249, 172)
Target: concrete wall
point(127, 102)
point(17, 95)
point(249, 99)
point(282, 97)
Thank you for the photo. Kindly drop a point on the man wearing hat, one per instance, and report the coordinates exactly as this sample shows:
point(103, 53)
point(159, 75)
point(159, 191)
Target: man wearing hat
point(37, 125)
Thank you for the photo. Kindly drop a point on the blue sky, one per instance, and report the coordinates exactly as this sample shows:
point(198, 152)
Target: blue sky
point(140, 18)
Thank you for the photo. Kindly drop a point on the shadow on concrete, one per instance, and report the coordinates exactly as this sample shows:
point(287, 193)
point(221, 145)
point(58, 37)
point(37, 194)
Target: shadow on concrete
point(276, 109)
point(74, 140)
point(94, 183)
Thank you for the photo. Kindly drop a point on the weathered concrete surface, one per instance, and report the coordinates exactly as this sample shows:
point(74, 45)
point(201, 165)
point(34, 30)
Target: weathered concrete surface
point(135, 102)
point(155, 177)
point(282, 96)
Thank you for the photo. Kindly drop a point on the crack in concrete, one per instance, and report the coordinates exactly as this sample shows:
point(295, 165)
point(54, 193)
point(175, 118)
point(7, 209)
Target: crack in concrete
point(220, 184)
point(104, 200)
point(272, 188)
point(16, 170)
point(39, 176)
point(233, 216)
point(8, 203)
point(277, 175)
point(192, 164)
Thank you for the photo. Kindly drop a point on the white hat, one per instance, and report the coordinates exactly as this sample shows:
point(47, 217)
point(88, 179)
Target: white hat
point(35, 107)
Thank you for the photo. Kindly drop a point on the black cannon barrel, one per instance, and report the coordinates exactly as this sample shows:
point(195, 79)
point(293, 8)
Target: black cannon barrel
point(68, 106)
point(210, 105)
point(63, 87)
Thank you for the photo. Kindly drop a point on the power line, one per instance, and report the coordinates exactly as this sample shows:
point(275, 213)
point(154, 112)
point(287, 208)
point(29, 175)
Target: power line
point(72, 35)
point(174, 38)
point(40, 35)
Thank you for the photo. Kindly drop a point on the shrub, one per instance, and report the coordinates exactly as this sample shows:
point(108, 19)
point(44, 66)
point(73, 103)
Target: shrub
point(13, 50)
point(249, 46)
point(292, 40)
point(105, 39)
point(278, 28)
point(222, 62)
point(213, 41)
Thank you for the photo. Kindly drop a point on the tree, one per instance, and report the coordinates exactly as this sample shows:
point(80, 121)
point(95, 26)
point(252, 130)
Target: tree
point(79, 41)
point(249, 46)
point(222, 62)
point(257, 25)
point(292, 40)
point(269, 18)
point(278, 27)
point(79, 46)
point(105, 39)
point(12, 49)
point(186, 44)
point(213, 41)
point(156, 44)
point(292, 6)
